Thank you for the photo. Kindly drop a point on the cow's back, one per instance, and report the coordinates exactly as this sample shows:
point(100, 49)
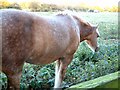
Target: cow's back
point(16, 39)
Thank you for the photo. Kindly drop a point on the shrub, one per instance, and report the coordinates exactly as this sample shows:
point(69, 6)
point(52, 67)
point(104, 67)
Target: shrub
point(14, 5)
point(34, 6)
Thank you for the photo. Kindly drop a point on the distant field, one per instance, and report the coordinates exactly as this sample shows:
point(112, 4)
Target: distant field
point(85, 65)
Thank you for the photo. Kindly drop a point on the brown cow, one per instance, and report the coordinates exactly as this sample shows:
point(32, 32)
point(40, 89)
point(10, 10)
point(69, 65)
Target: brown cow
point(27, 37)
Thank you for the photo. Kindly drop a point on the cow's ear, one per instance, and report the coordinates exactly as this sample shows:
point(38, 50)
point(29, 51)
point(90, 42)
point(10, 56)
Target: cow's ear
point(85, 24)
point(95, 27)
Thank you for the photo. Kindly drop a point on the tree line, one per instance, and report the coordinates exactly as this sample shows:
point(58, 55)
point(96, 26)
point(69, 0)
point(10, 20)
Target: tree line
point(36, 7)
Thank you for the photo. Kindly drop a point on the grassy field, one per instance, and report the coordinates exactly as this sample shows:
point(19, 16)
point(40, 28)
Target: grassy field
point(85, 65)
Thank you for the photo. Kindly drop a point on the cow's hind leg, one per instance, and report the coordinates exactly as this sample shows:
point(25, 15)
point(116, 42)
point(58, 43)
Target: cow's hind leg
point(61, 66)
point(14, 81)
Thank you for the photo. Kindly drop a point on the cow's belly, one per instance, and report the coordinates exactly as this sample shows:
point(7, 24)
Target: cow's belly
point(42, 60)
point(47, 50)
point(46, 55)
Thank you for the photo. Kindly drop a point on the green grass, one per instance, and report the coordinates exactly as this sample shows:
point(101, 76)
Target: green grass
point(85, 65)
point(111, 84)
point(107, 81)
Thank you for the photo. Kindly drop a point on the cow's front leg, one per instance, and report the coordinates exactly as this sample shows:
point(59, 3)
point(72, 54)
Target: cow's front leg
point(56, 73)
point(61, 66)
